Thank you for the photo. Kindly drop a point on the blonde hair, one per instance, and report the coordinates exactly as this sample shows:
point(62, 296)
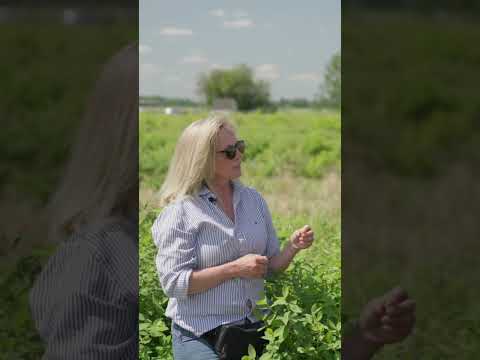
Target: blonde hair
point(193, 161)
point(102, 173)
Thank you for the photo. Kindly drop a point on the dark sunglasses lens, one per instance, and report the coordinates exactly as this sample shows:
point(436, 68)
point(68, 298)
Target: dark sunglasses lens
point(230, 152)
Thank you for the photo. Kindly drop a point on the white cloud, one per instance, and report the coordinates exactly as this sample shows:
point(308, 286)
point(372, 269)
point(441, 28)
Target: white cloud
point(175, 31)
point(194, 59)
point(238, 24)
point(267, 72)
point(144, 49)
point(217, 12)
point(308, 77)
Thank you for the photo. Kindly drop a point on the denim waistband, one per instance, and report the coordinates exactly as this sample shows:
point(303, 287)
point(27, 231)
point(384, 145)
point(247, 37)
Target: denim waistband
point(181, 329)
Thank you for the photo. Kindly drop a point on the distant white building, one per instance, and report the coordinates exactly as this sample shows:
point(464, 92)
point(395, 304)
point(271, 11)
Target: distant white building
point(173, 111)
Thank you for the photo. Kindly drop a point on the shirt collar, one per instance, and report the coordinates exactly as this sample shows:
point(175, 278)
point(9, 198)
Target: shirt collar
point(206, 192)
point(238, 187)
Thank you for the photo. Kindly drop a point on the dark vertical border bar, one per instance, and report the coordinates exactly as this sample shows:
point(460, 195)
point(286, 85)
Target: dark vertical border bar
point(410, 193)
point(69, 179)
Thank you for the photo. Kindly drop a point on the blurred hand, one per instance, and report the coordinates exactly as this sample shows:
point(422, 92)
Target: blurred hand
point(302, 238)
point(251, 266)
point(388, 319)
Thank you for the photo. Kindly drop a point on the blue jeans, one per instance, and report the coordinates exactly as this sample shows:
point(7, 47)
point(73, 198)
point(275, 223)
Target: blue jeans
point(188, 346)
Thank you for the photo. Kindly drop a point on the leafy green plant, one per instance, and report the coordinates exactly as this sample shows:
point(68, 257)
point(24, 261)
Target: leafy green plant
point(304, 302)
point(304, 322)
point(154, 327)
point(20, 339)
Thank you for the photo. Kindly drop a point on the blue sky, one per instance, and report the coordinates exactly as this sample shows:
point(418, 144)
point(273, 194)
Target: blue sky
point(287, 43)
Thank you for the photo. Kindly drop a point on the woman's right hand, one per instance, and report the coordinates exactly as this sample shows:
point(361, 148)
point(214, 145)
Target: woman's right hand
point(251, 266)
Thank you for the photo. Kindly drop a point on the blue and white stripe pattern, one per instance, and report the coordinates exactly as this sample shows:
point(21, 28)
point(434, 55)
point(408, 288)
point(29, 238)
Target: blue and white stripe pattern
point(85, 301)
point(194, 234)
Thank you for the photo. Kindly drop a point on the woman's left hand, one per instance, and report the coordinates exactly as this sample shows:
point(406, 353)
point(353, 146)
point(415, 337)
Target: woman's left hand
point(302, 238)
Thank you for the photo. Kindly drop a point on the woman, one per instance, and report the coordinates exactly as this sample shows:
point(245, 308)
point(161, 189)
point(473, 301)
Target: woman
point(85, 301)
point(215, 238)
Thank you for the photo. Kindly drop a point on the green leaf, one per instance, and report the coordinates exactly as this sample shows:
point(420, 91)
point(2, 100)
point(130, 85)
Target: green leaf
point(262, 302)
point(285, 318)
point(143, 326)
point(160, 326)
point(279, 301)
point(269, 335)
point(251, 351)
point(295, 308)
point(266, 356)
point(279, 333)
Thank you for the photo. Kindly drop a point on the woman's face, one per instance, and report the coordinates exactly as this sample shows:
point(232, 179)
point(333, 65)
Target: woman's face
point(226, 169)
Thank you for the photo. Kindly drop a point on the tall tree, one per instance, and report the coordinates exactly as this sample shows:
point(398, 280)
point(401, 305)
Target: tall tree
point(331, 88)
point(237, 83)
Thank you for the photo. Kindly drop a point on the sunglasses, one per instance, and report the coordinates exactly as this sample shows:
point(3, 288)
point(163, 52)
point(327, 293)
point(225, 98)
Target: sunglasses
point(231, 150)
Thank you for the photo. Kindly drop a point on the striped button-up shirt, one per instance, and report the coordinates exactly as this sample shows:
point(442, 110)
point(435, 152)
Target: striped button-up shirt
point(193, 234)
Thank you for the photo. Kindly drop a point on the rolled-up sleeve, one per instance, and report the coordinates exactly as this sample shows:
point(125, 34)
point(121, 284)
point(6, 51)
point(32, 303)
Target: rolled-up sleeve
point(176, 256)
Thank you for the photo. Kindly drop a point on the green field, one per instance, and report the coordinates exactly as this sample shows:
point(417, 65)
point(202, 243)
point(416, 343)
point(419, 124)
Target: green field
point(411, 108)
point(293, 160)
point(411, 135)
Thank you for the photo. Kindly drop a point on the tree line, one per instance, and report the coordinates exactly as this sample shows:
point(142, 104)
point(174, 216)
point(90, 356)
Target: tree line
point(239, 83)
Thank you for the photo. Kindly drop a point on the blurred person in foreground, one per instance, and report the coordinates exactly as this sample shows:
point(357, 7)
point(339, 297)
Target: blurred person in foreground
point(387, 319)
point(216, 244)
point(85, 301)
